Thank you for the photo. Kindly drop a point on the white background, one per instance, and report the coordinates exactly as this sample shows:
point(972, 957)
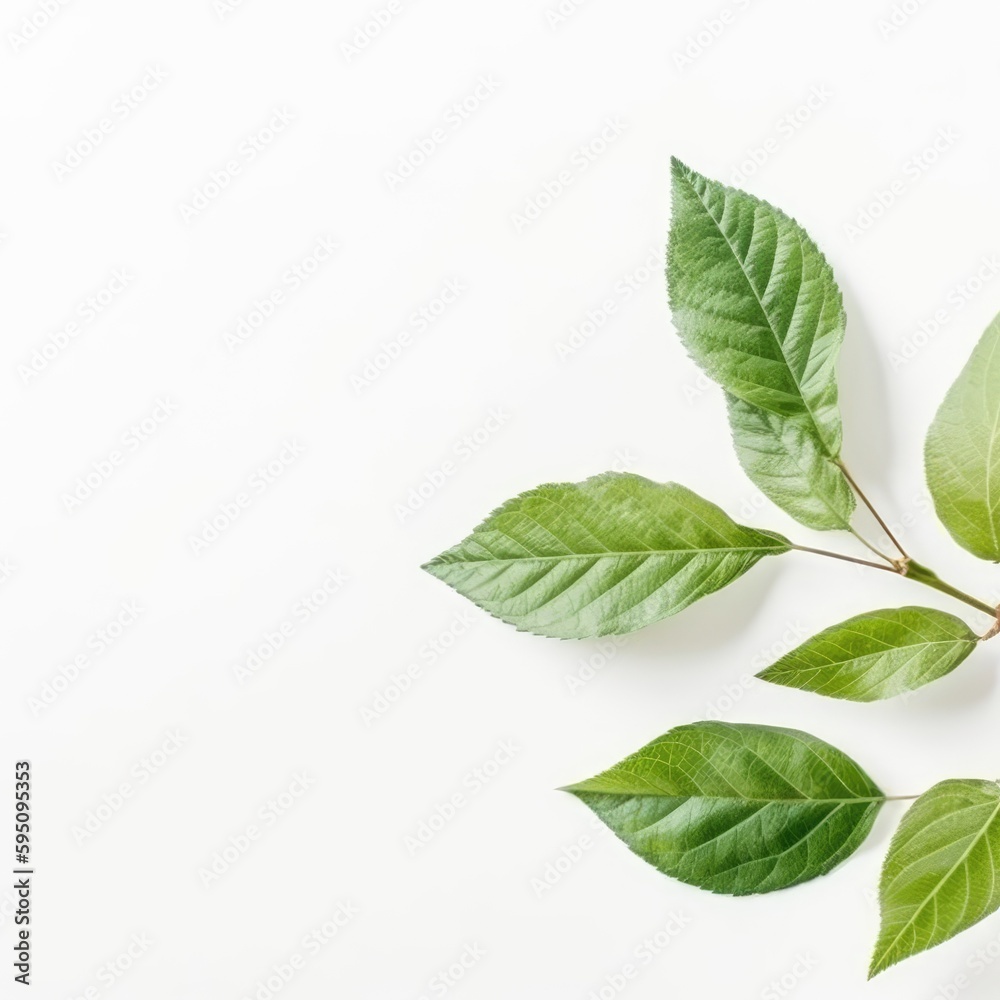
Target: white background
point(114, 873)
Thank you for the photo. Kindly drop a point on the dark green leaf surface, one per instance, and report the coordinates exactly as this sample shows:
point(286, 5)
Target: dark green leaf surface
point(608, 555)
point(941, 874)
point(877, 655)
point(736, 809)
point(789, 466)
point(755, 303)
point(963, 452)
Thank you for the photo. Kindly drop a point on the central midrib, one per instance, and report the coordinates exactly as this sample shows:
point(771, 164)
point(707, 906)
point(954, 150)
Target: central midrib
point(860, 800)
point(616, 555)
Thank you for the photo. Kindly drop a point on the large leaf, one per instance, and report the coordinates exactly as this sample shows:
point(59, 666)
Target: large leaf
point(736, 808)
point(877, 655)
point(941, 875)
point(789, 466)
point(755, 302)
point(608, 555)
point(963, 452)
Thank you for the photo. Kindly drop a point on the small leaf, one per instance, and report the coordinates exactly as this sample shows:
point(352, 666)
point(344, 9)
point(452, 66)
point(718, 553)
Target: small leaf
point(736, 809)
point(609, 555)
point(790, 467)
point(941, 874)
point(963, 452)
point(876, 655)
point(755, 303)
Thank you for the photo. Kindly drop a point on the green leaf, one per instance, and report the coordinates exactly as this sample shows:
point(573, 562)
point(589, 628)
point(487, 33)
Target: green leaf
point(790, 467)
point(963, 452)
point(877, 655)
point(736, 809)
point(612, 554)
point(941, 874)
point(755, 303)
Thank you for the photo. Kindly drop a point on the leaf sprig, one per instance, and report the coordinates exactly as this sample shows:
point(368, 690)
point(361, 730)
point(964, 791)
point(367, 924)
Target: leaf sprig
point(740, 808)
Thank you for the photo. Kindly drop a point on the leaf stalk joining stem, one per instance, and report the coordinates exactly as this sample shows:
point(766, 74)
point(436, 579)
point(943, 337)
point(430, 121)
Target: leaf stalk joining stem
point(921, 574)
point(889, 567)
point(878, 517)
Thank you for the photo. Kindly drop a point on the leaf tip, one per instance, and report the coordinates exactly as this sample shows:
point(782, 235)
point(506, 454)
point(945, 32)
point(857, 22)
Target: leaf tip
point(679, 169)
point(877, 967)
point(430, 566)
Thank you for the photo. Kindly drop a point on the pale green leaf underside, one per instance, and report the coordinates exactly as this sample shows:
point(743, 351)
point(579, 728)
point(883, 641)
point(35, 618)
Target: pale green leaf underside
point(941, 875)
point(783, 458)
point(755, 302)
point(609, 555)
point(963, 452)
point(876, 655)
point(736, 809)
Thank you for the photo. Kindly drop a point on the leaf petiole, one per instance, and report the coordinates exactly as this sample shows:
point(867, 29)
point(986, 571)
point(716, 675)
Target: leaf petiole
point(921, 574)
point(871, 548)
point(890, 567)
point(885, 527)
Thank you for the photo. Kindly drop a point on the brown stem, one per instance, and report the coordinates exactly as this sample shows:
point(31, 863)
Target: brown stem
point(891, 568)
point(994, 630)
point(871, 548)
point(857, 489)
